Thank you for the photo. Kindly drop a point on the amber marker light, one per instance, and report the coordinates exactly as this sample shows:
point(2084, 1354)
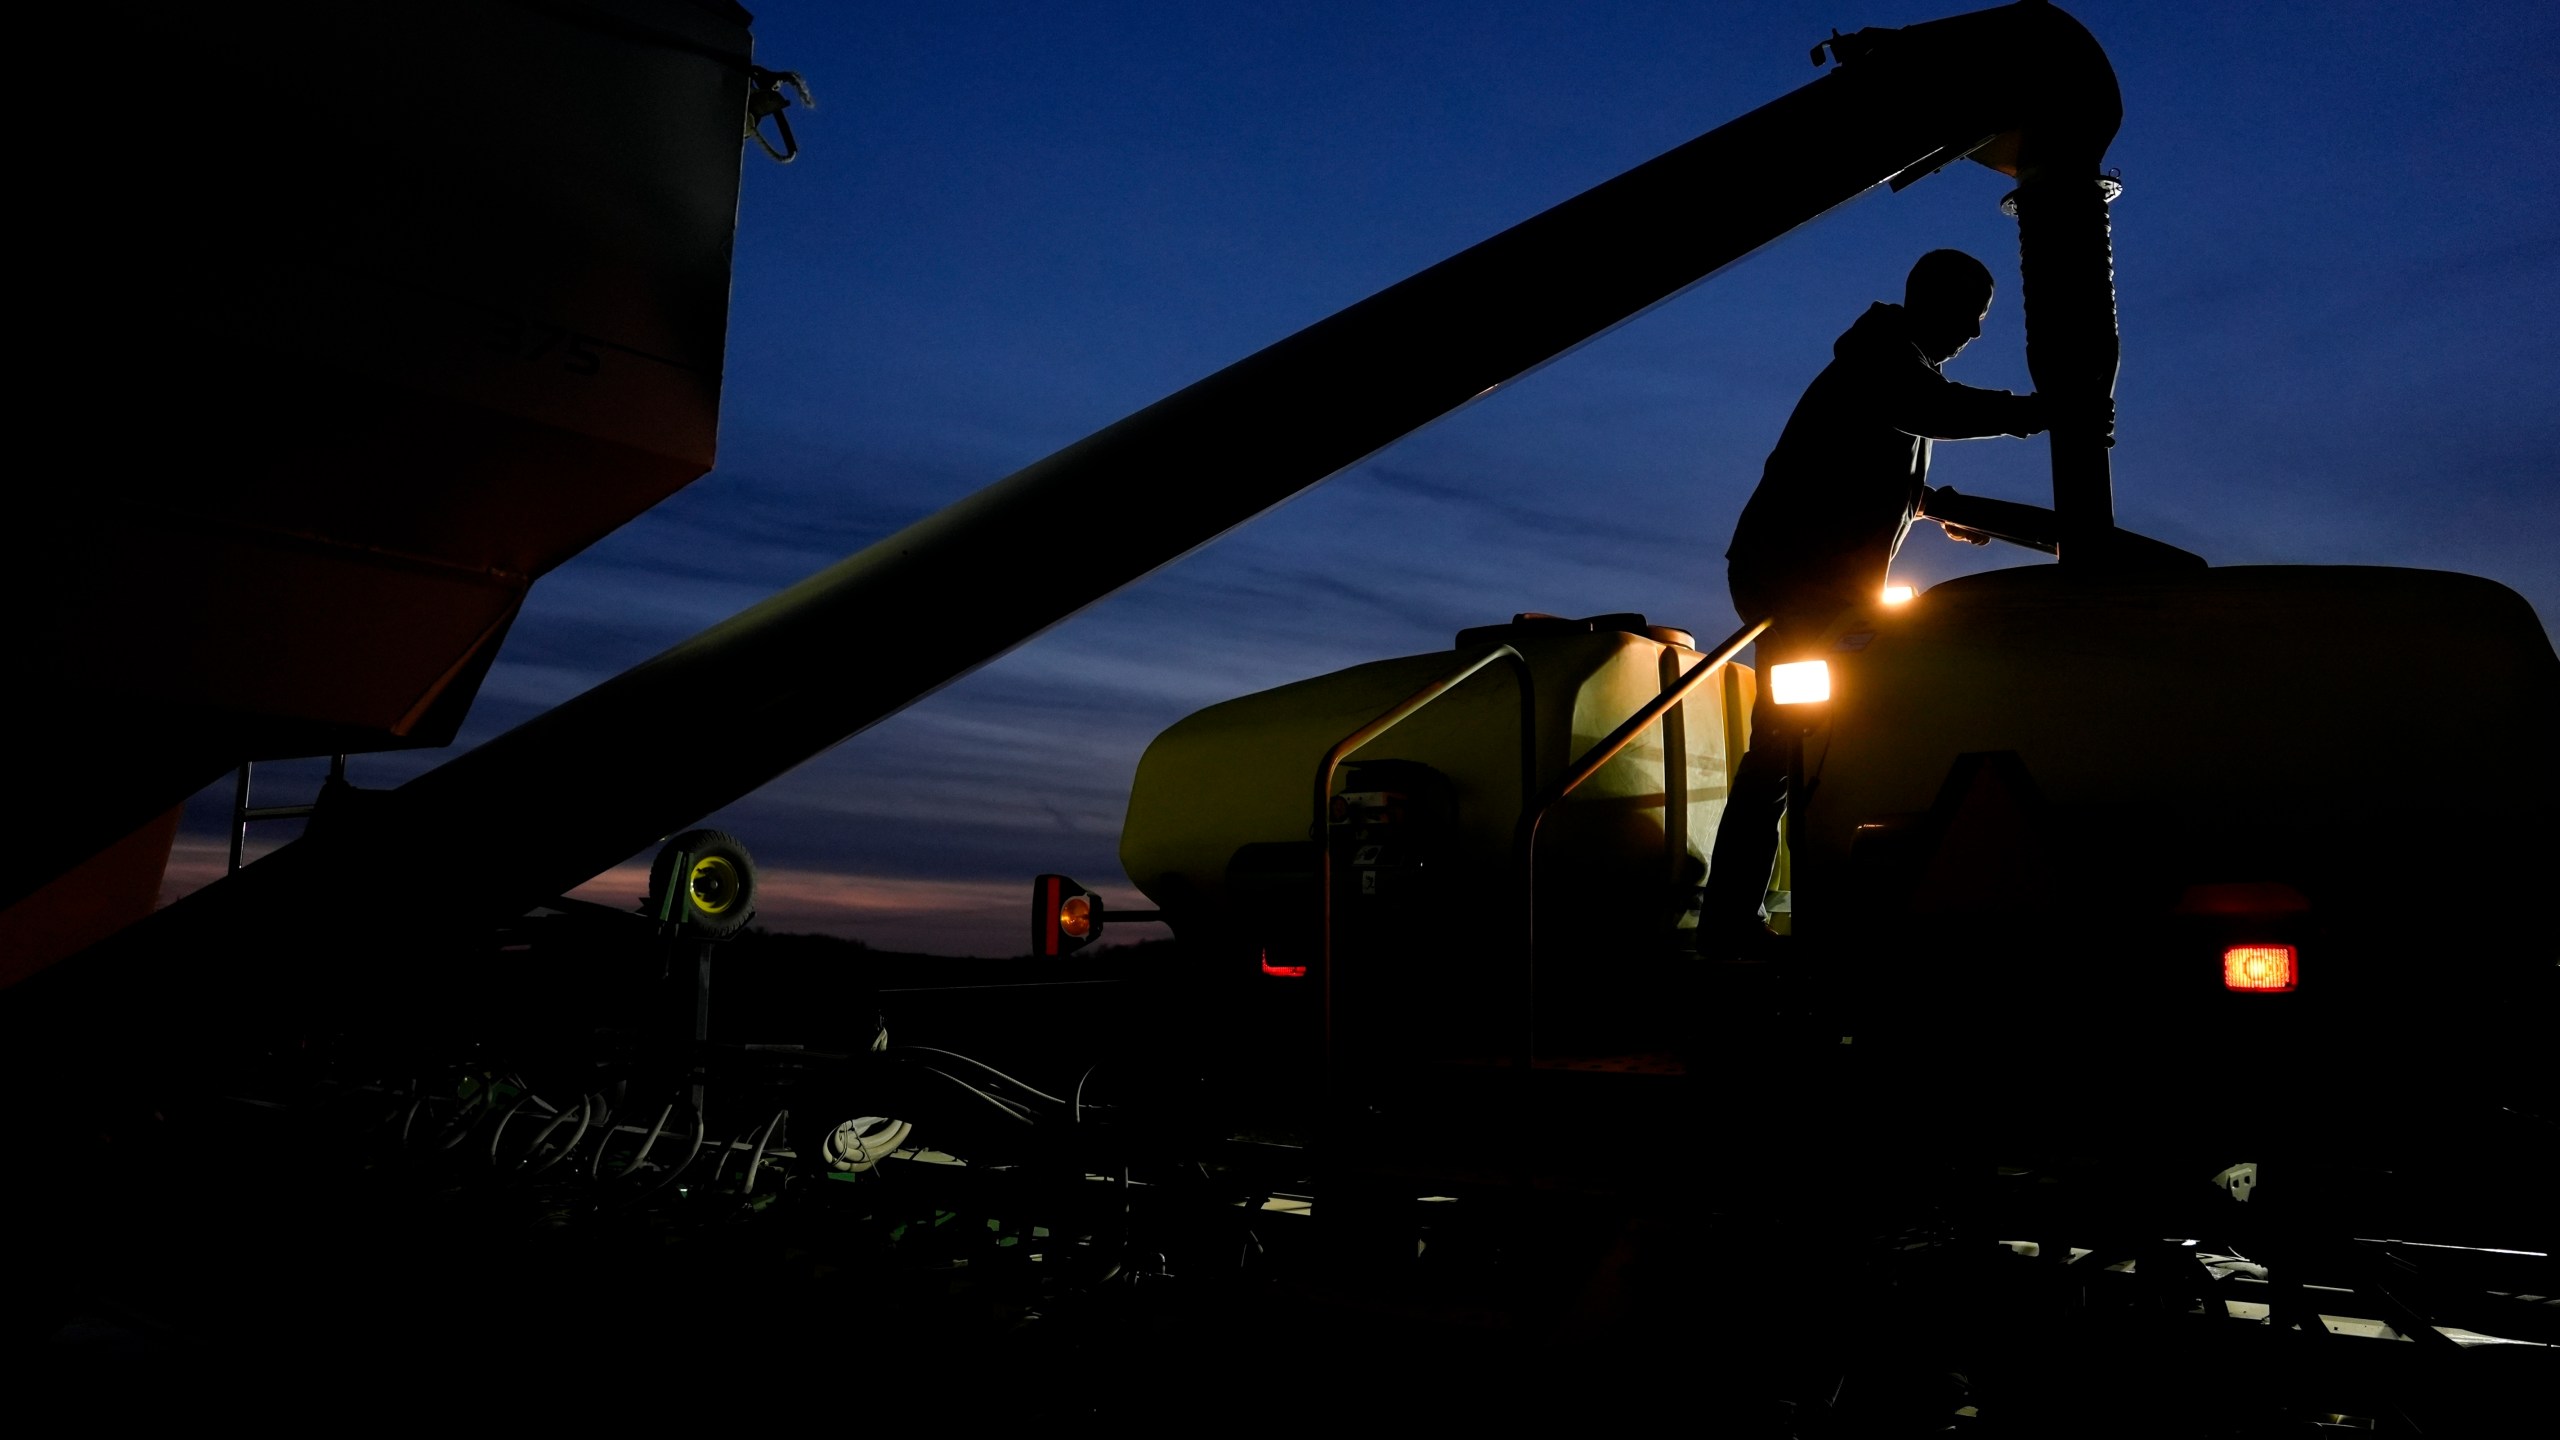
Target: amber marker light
point(1800, 682)
point(1064, 915)
point(2259, 968)
point(1898, 594)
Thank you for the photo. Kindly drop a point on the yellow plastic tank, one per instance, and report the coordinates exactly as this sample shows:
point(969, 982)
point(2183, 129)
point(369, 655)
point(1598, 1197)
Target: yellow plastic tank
point(2246, 704)
point(1222, 815)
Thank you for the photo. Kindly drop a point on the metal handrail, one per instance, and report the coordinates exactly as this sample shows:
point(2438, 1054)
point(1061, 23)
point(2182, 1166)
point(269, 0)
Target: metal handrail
point(1396, 715)
point(242, 812)
point(1599, 755)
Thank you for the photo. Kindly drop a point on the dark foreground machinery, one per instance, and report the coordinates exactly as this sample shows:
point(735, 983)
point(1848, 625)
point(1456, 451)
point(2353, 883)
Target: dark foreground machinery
point(2007, 1142)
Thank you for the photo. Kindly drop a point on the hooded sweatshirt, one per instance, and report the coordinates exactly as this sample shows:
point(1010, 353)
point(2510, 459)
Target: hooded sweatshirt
point(1847, 476)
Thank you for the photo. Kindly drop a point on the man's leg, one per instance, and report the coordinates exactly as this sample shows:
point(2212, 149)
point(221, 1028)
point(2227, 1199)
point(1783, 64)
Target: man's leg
point(1746, 847)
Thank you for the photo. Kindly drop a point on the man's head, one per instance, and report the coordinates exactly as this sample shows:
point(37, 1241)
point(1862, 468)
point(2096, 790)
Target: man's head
point(1947, 295)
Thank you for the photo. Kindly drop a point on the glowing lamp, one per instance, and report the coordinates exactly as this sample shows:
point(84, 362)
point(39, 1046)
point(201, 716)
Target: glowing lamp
point(1898, 594)
point(2259, 968)
point(1285, 972)
point(1800, 682)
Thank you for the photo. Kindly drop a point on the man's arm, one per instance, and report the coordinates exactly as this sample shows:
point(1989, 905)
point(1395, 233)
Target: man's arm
point(1920, 401)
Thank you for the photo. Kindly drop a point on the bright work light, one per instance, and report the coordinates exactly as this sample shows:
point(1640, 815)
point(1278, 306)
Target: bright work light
point(1898, 594)
point(2258, 968)
point(1800, 682)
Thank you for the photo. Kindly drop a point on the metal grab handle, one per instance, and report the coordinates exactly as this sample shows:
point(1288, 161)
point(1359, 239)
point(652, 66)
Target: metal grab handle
point(1526, 843)
point(1396, 715)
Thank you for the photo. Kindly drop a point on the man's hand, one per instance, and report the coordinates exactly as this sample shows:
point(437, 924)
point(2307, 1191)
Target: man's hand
point(2030, 415)
point(1969, 537)
point(2082, 414)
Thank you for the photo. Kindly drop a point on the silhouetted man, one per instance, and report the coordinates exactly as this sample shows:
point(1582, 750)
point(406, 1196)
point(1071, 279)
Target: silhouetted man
point(1844, 483)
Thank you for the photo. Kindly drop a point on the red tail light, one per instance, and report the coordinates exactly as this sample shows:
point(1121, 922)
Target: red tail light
point(2262, 968)
point(1286, 972)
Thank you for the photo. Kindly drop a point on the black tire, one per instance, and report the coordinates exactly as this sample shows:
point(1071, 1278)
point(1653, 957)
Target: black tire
point(715, 897)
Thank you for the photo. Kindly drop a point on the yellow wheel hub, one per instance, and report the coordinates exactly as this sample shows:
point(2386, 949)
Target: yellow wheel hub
point(714, 884)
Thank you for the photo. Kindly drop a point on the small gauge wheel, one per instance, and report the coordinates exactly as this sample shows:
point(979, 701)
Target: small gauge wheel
point(713, 879)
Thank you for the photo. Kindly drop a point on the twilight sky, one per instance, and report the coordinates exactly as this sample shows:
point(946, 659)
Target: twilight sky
point(2338, 259)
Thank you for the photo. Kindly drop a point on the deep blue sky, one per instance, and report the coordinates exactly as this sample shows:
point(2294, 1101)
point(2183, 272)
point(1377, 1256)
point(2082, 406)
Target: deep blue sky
point(2337, 259)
